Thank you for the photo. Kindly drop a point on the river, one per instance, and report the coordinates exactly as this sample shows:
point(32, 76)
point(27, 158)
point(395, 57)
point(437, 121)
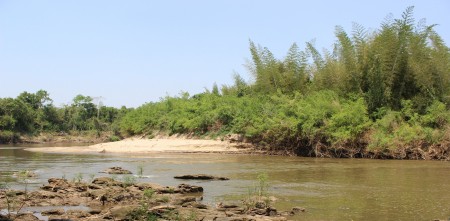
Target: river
point(329, 189)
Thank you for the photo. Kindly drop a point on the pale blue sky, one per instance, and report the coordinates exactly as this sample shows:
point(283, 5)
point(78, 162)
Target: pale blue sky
point(132, 52)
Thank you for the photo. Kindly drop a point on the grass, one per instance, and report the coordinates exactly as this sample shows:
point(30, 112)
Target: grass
point(91, 177)
point(140, 171)
point(12, 202)
point(258, 194)
point(128, 180)
point(78, 178)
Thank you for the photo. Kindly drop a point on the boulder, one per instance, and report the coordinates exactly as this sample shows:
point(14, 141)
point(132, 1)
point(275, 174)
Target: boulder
point(105, 181)
point(270, 211)
point(57, 181)
point(53, 212)
point(227, 206)
point(186, 188)
point(24, 217)
point(78, 213)
point(296, 210)
point(94, 187)
point(43, 195)
point(194, 204)
point(200, 177)
point(120, 212)
point(116, 170)
point(55, 184)
point(160, 210)
point(183, 200)
point(96, 194)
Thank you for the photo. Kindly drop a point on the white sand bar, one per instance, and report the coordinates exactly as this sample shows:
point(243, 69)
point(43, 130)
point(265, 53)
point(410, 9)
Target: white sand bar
point(140, 145)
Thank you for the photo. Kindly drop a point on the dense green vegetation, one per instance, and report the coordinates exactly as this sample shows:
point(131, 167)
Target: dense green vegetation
point(33, 113)
point(382, 93)
point(376, 94)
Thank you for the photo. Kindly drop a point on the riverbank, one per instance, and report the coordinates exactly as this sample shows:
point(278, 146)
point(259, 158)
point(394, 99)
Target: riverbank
point(79, 137)
point(234, 145)
point(155, 145)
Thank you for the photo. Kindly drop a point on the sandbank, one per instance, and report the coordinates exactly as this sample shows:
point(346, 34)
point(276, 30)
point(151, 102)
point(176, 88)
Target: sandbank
point(142, 145)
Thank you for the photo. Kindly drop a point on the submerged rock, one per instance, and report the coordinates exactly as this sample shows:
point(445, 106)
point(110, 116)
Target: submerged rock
point(25, 174)
point(116, 170)
point(200, 177)
point(297, 210)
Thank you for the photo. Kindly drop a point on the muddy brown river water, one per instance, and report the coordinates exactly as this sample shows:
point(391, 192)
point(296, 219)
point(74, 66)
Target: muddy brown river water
point(330, 189)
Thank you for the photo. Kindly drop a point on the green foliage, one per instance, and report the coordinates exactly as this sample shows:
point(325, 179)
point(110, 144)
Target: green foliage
point(406, 128)
point(16, 115)
point(437, 115)
point(314, 111)
point(258, 194)
point(12, 202)
point(349, 123)
point(32, 113)
point(7, 136)
point(114, 138)
point(148, 194)
point(140, 171)
point(272, 75)
point(128, 180)
point(78, 178)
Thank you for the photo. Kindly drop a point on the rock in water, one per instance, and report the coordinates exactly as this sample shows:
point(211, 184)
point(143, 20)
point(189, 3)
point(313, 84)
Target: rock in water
point(186, 188)
point(116, 170)
point(297, 210)
point(53, 212)
point(200, 177)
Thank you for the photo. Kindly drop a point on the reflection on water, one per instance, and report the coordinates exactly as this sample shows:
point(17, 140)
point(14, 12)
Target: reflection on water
point(330, 189)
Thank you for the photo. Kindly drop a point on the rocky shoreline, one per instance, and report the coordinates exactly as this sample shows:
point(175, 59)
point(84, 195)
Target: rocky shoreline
point(107, 199)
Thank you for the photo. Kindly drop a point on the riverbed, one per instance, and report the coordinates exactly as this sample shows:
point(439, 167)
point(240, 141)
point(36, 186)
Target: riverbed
point(329, 189)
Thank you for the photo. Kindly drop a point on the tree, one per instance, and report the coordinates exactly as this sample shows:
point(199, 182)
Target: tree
point(16, 116)
point(40, 103)
point(215, 89)
point(82, 113)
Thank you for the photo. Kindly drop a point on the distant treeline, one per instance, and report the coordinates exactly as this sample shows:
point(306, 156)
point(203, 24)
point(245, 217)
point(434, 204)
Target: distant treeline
point(34, 113)
point(382, 94)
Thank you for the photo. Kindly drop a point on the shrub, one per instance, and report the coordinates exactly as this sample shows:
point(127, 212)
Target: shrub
point(7, 136)
point(258, 194)
point(437, 115)
point(349, 123)
point(114, 138)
